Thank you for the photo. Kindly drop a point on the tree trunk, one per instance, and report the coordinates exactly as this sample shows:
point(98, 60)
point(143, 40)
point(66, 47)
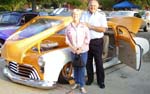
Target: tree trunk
point(148, 2)
point(33, 5)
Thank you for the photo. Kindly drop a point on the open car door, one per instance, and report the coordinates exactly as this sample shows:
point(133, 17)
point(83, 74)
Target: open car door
point(130, 48)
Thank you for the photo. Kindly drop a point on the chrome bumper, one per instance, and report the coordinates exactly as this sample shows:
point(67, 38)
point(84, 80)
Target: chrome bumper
point(29, 82)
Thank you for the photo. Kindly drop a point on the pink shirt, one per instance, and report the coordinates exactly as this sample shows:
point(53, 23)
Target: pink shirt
point(78, 36)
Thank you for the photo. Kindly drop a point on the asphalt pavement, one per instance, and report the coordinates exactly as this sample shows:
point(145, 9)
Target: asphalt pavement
point(120, 79)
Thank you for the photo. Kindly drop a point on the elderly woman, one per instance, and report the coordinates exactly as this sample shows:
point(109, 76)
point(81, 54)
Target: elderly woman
point(77, 37)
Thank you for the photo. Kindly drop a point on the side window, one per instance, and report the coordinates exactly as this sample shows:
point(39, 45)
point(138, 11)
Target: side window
point(137, 15)
point(28, 17)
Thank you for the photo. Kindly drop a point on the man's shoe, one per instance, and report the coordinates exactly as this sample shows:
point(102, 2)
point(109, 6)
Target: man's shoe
point(102, 85)
point(88, 82)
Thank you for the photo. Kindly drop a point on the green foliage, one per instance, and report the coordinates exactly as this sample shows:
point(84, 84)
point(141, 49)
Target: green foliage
point(107, 4)
point(75, 3)
point(12, 5)
point(2, 9)
point(148, 2)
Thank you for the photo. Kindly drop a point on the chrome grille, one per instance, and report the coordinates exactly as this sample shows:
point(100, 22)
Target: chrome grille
point(24, 71)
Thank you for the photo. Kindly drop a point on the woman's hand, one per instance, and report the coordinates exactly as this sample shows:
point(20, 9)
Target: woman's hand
point(74, 49)
point(79, 50)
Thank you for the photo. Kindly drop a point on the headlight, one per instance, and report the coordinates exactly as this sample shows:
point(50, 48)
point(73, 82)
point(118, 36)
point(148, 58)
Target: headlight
point(41, 62)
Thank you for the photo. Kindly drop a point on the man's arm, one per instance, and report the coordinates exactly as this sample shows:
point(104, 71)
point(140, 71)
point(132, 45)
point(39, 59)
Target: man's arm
point(96, 28)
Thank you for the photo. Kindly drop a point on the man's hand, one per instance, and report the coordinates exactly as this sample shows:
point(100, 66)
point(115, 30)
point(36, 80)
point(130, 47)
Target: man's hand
point(89, 26)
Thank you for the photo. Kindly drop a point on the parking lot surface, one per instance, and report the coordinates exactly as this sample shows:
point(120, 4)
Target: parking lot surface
point(120, 79)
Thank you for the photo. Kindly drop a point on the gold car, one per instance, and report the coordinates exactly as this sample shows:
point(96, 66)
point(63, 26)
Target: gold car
point(36, 55)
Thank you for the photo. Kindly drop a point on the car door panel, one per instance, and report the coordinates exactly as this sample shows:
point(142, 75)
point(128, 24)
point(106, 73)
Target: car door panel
point(131, 48)
point(130, 56)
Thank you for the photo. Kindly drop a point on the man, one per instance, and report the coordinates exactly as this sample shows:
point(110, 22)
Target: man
point(97, 23)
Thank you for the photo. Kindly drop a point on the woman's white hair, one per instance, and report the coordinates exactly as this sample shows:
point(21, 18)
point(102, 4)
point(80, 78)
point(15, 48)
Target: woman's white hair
point(76, 11)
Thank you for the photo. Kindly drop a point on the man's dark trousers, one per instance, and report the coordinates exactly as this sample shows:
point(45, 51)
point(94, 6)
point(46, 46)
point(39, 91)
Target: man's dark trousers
point(95, 51)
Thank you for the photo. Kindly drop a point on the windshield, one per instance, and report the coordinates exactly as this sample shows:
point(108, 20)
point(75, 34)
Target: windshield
point(36, 27)
point(9, 19)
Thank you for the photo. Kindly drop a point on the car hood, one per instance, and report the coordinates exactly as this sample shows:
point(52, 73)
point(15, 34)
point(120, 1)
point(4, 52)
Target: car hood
point(6, 31)
point(15, 48)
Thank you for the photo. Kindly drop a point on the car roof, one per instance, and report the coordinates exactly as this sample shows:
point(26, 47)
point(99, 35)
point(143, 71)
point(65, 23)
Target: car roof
point(20, 13)
point(122, 13)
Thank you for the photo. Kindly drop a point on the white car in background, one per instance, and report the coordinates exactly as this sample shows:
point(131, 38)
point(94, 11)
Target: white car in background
point(123, 14)
point(114, 14)
point(61, 12)
point(146, 18)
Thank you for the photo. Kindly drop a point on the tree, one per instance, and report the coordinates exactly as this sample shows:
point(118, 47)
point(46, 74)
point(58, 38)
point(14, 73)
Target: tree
point(107, 4)
point(59, 3)
point(33, 5)
point(12, 5)
point(74, 3)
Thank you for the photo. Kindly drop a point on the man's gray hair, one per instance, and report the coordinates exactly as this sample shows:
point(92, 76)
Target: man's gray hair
point(91, 1)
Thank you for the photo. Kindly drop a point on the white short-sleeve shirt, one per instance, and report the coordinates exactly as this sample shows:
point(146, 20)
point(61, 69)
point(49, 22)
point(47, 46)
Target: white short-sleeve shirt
point(97, 19)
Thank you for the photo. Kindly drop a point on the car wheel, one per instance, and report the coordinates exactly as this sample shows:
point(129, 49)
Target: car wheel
point(144, 29)
point(66, 74)
point(1, 44)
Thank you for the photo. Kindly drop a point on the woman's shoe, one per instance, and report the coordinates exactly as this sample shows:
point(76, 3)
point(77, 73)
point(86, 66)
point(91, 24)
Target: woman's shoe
point(83, 91)
point(75, 86)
